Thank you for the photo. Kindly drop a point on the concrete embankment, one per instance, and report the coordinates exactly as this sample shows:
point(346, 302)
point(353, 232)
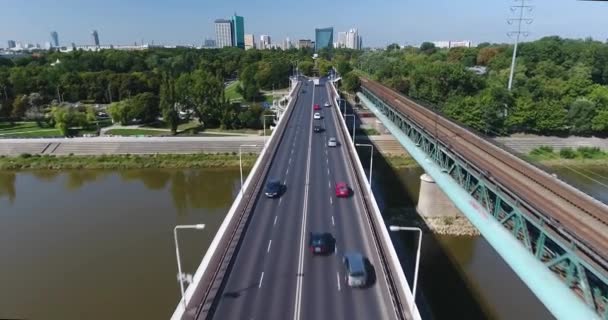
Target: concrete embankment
point(128, 145)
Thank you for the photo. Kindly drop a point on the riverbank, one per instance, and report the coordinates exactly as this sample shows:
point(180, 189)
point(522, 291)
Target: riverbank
point(401, 161)
point(448, 225)
point(174, 161)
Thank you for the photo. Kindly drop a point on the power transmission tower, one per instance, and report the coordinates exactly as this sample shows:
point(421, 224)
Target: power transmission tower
point(520, 8)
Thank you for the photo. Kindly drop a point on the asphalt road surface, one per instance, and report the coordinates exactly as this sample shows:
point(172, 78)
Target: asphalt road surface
point(274, 275)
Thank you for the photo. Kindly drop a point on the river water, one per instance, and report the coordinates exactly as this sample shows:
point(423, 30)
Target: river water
point(99, 245)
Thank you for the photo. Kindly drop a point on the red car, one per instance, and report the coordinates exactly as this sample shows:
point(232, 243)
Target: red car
point(316, 107)
point(342, 190)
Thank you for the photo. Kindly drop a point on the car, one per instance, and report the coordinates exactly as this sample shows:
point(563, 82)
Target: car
point(342, 190)
point(356, 273)
point(332, 142)
point(321, 243)
point(317, 116)
point(327, 105)
point(273, 189)
point(316, 107)
point(317, 129)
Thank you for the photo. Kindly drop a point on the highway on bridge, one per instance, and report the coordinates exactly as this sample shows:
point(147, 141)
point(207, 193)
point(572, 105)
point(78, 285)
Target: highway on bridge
point(274, 275)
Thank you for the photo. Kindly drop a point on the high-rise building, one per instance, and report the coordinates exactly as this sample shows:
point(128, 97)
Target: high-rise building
point(95, 37)
point(209, 43)
point(287, 44)
point(324, 38)
point(341, 43)
point(238, 31)
point(249, 41)
point(55, 39)
point(352, 39)
point(304, 43)
point(11, 44)
point(223, 33)
point(265, 42)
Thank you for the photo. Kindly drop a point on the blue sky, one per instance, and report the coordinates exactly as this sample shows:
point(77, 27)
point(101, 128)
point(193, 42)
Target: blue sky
point(379, 21)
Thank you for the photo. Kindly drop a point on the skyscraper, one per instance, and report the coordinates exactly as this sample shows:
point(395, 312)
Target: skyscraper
point(304, 43)
point(11, 44)
point(324, 38)
point(341, 40)
point(265, 42)
point(249, 41)
point(54, 39)
point(352, 39)
point(223, 33)
point(238, 31)
point(95, 37)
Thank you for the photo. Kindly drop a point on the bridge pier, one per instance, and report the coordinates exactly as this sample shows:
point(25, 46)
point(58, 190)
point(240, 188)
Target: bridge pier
point(432, 202)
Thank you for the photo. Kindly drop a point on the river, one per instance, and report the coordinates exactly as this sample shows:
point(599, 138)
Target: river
point(93, 245)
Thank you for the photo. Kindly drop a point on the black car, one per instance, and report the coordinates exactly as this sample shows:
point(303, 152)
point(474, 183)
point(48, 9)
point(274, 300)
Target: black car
point(321, 243)
point(317, 129)
point(273, 189)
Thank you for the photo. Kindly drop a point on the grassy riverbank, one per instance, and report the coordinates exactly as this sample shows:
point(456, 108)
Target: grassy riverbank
point(584, 156)
point(400, 162)
point(175, 161)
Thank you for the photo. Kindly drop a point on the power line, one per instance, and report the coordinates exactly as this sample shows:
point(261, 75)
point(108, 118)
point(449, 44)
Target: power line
point(521, 7)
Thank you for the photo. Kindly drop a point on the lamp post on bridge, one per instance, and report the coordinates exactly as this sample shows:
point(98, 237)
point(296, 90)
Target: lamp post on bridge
point(241, 161)
point(264, 120)
point(399, 228)
point(371, 160)
point(179, 264)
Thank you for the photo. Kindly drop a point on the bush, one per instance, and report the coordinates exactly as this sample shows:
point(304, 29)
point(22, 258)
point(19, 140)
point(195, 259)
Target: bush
point(589, 152)
point(25, 155)
point(542, 150)
point(567, 153)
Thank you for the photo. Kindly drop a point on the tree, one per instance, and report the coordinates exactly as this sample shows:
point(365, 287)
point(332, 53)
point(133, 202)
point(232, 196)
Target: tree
point(428, 48)
point(580, 116)
point(351, 82)
point(20, 105)
point(66, 117)
point(168, 102)
point(393, 47)
point(145, 107)
point(306, 67)
point(344, 67)
point(600, 122)
point(119, 111)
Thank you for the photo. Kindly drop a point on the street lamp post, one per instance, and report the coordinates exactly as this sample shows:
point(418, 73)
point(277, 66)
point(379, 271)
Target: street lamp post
point(371, 160)
point(241, 161)
point(179, 264)
point(354, 120)
point(264, 120)
point(399, 228)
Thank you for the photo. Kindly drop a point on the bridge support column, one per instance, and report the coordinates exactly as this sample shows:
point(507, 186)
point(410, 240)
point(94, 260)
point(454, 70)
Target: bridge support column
point(432, 202)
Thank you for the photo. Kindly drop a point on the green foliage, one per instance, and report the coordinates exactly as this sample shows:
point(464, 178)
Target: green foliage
point(428, 48)
point(66, 117)
point(350, 82)
point(542, 150)
point(580, 115)
point(306, 67)
point(567, 153)
point(589, 152)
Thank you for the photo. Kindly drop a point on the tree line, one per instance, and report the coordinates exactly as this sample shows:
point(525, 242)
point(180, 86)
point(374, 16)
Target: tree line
point(172, 84)
point(560, 85)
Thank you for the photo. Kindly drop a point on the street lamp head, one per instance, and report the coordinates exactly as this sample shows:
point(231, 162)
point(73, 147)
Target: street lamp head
point(199, 226)
point(394, 228)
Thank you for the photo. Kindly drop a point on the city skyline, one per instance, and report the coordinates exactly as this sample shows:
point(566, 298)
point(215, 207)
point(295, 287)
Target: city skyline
point(383, 23)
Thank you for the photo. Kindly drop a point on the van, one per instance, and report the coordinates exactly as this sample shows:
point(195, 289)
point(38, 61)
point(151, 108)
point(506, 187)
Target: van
point(356, 275)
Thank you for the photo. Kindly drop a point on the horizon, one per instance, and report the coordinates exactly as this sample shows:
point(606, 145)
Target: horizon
point(190, 23)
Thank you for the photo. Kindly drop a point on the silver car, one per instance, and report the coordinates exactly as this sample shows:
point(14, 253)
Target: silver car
point(356, 273)
point(332, 142)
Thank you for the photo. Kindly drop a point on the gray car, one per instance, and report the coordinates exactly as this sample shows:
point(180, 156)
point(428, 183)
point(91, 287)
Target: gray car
point(332, 142)
point(356, 275)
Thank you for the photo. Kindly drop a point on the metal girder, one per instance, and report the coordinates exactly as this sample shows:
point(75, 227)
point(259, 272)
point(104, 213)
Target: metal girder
point(530, 227)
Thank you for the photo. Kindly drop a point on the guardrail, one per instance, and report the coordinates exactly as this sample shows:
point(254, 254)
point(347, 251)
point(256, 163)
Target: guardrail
point(208, 278)
point(399, 288)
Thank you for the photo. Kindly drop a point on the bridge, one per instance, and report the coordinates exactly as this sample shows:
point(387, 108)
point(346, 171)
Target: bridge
point(552, 235)
point(258, 265)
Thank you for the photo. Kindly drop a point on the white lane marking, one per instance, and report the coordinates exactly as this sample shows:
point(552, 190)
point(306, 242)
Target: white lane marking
point(261, 279)
point(331, 201)
point(338, 278)
point(269, 244)
point(333, 222)
point(287, 172)
point(285, 181)
point(329, 184)
point(298, 302)
point(327, 171)
point(292, 150)
point(280, 200)
point(290, 160)
point(275, 220)
point(335, 249)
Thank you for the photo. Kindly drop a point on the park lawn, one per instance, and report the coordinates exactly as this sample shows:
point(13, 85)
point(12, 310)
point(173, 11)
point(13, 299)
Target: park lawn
point(20, 126)
point(243, 131)
point(231, 92)
point(34, 133)
point(137, 132)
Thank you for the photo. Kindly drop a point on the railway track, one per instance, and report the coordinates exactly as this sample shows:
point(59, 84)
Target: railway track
point(582, 217)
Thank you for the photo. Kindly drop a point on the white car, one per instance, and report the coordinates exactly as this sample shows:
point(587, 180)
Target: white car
point(332, 142)
point(327, 105)
point(316, 116)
